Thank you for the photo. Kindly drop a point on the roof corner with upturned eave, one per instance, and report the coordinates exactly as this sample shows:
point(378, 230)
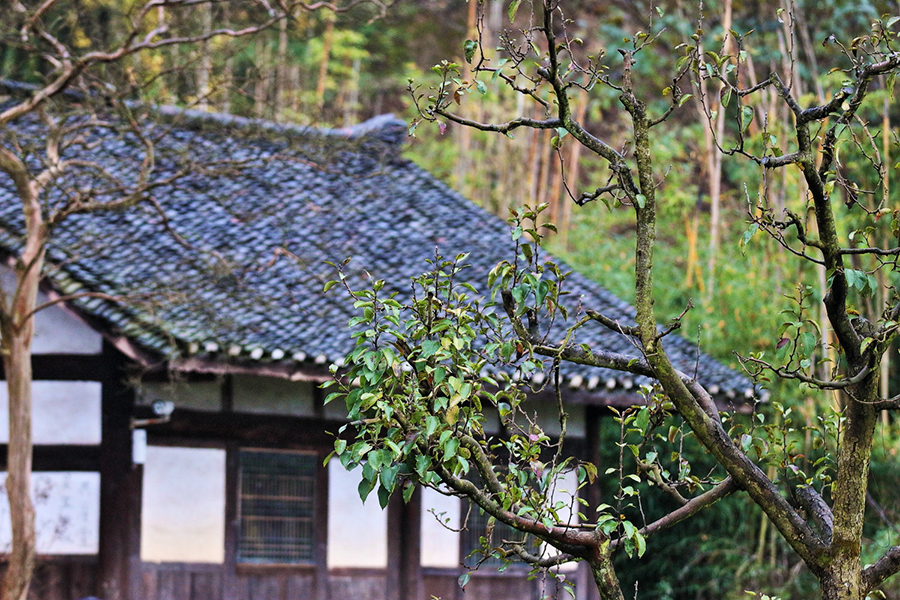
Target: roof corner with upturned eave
point(242, 286)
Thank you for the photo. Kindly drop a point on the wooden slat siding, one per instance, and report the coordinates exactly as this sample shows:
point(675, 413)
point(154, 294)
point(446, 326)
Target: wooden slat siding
point(149, 583)
point(174, 585)
point(440, 584)
point(206, 586)
point(299, 586)
point(82, 577)
point(509, 587)
point(62, 578)
point(267, 588)
point(358, 586)
point(120, 486)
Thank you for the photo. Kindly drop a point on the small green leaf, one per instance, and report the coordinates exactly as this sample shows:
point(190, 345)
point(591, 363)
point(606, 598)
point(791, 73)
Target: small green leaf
point(746, 117)
point(469, 48)
point(513, 8)
point(464, 578)
point(807, 343)
point(865, 345)
point(365, 488)
point(641, 200)
point(389, 477)
point(482, 88)
point(726, 96)
point(640, 543)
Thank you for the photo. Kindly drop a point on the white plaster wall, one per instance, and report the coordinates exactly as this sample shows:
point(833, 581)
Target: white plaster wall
point(65, 412)
point(440, 522)
point(271, 395)
point(183, 513)
point(357, 532)
point(199, 395)
point(56, 330)
point(67, 512)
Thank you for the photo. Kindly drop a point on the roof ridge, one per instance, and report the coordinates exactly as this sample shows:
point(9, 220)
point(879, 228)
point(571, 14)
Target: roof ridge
point(385, 127)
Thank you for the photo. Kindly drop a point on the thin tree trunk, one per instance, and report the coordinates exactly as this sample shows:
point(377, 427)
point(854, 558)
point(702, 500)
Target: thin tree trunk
point(351, 105)
point(17, 330)
point(574, 174)
point(259, 87)
point(204, 66)
point(714, 166)
point(323, 66)
point(464, 134)
point(882, 278)
point(281, 82)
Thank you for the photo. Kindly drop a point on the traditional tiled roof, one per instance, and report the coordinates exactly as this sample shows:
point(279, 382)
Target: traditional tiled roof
point(241, 280)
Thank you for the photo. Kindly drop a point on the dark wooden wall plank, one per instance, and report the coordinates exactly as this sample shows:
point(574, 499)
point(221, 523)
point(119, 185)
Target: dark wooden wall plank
point(206, 586)
point(120, 487)
point(149, 582)
point(174, 585)
point(358, 587)
point(273, 431)
point(299, 586)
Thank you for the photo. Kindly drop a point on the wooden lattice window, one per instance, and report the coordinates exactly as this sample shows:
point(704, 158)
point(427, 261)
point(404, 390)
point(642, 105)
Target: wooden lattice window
point(277, 507)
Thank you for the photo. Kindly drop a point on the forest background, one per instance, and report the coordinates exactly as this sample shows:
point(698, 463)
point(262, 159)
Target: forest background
point(336, 69)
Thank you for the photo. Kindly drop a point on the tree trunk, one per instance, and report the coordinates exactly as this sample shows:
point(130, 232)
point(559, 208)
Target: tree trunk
point(605, 577)
point(17, 362)
point(322, 80)
point(842, 581)
point(17, 334)
point(204, 66)
point(281, 80)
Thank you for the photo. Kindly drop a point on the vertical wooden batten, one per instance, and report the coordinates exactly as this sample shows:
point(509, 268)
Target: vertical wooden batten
point(323, 588)
point(229, 576)
point(119, 564)
point(404, 571)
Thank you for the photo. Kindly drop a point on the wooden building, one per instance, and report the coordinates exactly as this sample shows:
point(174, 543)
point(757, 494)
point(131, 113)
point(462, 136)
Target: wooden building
point(222, 314)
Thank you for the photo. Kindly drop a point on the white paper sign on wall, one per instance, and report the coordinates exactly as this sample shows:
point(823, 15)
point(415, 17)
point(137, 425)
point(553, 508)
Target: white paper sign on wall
point(67, 509)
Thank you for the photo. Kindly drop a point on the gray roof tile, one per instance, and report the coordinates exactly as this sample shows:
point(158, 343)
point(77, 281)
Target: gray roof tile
point(227, 289)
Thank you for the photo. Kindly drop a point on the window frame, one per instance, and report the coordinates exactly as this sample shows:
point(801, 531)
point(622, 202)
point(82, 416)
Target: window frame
point(318, 512)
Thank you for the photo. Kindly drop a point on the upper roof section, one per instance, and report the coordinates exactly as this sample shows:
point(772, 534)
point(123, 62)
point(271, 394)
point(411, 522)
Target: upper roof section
point(228, 264)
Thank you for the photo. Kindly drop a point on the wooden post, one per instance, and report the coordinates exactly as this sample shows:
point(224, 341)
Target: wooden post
point(229, 574)
point(119, 568)
point(404, 571)
point(323, 585)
